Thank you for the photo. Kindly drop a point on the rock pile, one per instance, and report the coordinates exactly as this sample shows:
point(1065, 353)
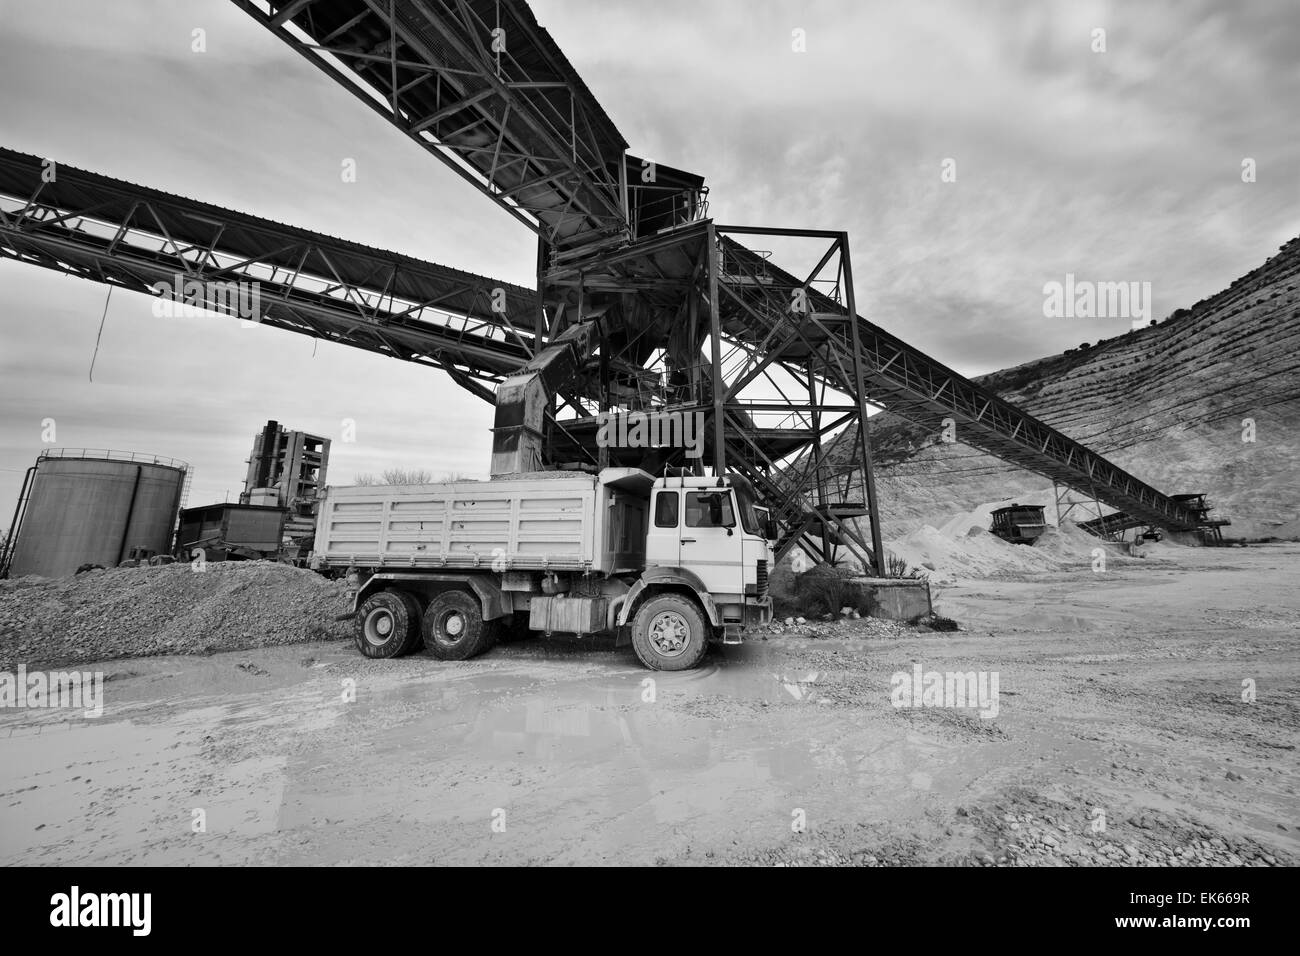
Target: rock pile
point(860, 627)
point(135, 612)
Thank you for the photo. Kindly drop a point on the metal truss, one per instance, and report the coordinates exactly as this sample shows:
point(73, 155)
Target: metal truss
point(737, 353)
point(482, 87)
point(915, 386)
point(112, 231)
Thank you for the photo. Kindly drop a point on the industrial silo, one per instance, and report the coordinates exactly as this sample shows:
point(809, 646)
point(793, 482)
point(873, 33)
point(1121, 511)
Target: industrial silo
point(87, 506)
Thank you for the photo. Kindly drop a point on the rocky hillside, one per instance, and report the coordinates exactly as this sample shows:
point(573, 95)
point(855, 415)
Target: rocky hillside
point(1167, 402)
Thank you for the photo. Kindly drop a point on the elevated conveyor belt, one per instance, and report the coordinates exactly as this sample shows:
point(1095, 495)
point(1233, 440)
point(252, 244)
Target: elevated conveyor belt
point(481, 86)
point(113, 231)
point(913, 385)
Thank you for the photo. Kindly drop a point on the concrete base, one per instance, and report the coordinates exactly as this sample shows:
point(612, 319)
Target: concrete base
point(894, 599)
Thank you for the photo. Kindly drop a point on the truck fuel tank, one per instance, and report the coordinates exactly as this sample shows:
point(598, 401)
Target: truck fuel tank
point(569, 615)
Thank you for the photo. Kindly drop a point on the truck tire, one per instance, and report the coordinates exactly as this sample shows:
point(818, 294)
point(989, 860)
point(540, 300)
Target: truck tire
point(384, 625)
point(454, 629)
point(413, 608)
point(670, 633)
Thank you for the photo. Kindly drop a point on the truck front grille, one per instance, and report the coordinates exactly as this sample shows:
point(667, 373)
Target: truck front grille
point(762, 577)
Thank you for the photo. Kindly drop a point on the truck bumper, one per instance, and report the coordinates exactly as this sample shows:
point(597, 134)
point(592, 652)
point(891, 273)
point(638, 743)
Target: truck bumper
point(759, 612)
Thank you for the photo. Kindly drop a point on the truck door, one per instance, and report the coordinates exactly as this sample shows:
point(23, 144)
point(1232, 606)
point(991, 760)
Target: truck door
point(710, 545)
point(663, 538)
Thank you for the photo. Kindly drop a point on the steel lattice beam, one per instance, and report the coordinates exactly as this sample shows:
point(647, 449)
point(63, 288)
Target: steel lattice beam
point(112, 231)
point(482, 87)
point(915, 386)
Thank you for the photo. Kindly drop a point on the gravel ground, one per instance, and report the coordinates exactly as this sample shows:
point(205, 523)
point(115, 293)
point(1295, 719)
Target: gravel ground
point(1060, 832)
point(140, 612)
point(1124, 737)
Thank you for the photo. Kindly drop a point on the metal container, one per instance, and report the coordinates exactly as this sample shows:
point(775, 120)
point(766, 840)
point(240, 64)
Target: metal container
point(249, 531)
point(569, 615)
point(92, 506)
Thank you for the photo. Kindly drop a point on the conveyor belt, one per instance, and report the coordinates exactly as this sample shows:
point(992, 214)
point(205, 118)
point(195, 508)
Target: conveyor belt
point(480, 85)
point(915, 386)
point(113, 231)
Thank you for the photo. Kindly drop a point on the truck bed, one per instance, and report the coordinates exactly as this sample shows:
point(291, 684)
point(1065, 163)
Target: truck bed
point(529, 522)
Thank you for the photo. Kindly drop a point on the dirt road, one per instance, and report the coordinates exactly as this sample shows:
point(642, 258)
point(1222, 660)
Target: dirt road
point(1121, 736)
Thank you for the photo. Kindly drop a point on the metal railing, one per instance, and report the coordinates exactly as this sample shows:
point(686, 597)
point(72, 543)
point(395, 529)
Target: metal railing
point(108, 454)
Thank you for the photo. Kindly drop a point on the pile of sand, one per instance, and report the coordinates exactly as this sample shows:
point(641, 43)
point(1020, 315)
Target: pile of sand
point(962, 547)
point(978, 554)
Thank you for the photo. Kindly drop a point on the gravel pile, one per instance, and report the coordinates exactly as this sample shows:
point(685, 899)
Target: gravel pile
point(135, 612)
point(863, 627)
point(1148, 839)
point(1063, 838)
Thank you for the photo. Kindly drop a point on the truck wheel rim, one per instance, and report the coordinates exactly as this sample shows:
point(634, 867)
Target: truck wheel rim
point(379, 628)
point(669, 634)
point(453, 626)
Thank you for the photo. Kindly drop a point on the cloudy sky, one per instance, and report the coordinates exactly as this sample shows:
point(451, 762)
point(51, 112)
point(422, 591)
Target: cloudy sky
point(1122, 165)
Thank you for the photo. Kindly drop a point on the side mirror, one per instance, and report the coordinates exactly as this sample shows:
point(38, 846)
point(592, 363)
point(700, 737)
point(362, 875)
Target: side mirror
point(769, 529)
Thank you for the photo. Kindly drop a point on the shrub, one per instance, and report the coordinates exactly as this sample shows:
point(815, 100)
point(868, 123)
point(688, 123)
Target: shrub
point(824, 590)
point(896, 567)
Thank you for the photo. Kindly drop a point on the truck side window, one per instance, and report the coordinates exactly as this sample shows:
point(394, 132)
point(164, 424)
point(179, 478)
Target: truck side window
point(709, 509)
point(666, 509)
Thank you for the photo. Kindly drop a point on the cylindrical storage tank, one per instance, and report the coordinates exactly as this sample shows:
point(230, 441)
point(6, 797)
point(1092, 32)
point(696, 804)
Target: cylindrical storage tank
point(87, 506)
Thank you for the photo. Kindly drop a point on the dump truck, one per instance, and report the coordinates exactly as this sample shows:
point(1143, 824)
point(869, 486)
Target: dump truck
point(666, 564)
point(1019, 524)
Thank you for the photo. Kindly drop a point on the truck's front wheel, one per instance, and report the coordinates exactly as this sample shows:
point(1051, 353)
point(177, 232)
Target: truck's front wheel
point(454, 629)
point(385, 625)
point(669, 633)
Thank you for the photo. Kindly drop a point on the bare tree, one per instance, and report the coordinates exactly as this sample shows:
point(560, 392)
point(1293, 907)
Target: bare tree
point(404, 476)
point(396, 476)
point(407, 476)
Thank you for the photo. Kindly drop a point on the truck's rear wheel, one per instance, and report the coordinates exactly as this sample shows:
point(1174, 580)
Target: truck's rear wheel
point(385, 625)
point(669, 633)
point(454, 629)
point(417, 630)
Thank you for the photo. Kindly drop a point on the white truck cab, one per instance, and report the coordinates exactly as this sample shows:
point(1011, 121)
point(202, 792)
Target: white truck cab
point(713, 530)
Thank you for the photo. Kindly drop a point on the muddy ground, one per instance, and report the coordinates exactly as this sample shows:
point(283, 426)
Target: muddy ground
point(1121, 737)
